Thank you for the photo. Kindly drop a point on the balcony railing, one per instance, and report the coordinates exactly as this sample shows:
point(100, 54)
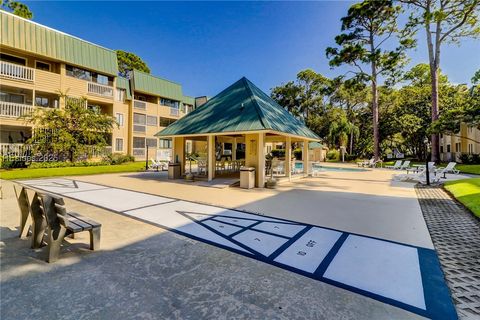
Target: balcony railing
point(13, 149)
point(139, 152)
point(14, 110)
point(137, 104)
point(17, 72)
point(100, 90)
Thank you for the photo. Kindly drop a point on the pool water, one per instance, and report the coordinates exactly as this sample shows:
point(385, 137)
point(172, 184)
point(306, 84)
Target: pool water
point(319, 167)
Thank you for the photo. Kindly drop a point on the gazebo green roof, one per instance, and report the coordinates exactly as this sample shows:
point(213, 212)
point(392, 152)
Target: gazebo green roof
point(241, 107)
point(315, 145)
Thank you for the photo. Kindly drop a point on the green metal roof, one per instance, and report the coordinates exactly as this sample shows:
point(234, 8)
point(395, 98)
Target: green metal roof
point(124, 83)
point(23, 34)
point(240, 107)
point(149, 84)
point(314, 145)
point(188, 100)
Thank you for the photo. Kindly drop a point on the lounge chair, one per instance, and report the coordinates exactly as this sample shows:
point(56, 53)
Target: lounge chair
point(450, 168)
point(420, 176)
point(372, 163)
point(405, 165)
point(278, 167)
point(431, 168)
point(363, 163)
point(154, 164)
point(396, 166)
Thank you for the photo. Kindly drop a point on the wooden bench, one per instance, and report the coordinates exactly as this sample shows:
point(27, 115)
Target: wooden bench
point(50, 215)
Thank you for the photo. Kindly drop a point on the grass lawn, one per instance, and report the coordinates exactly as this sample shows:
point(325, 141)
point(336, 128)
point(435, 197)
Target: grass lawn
point(70, 171)
point(469, 168)
point(466, 191)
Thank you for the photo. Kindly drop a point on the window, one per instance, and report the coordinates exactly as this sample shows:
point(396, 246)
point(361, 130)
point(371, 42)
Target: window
point(137, 104)
point(152, 121)
point(78, 73)
point(138, 142)
point(119, 144)
point(101, 79)
point(12, 97)
point(151, 143)
point(120, 94)
point(165, 122)
point(42, 102)
point(457, 147)
point(120, 119)
point(42, 66)
point(448, 148)
point(169, 103)
point(165, 143)
point(139, 121)
point(13, 59)
point(470, 148)
point(441, 149)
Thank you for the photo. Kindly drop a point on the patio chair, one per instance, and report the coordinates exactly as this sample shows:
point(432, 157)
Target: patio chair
point(154, 164)
point(33, 210)
point(431, 168)
point(278, 167)
point(372, 163)
point(202, 166)
point(61, 224)
point(220, 166)
point(405, 165)
point(450, 168)
point(396, 166)
point(420, 176)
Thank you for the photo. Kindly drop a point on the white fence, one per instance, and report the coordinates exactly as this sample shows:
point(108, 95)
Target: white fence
point(17, 72)
point(14, 110)
point(100, 89)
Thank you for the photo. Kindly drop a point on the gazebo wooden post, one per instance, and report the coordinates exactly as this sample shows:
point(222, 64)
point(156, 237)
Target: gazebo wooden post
point(261, 160)
point(211, 157)
point(305, 155)
point(234, 149)
point(288, 158)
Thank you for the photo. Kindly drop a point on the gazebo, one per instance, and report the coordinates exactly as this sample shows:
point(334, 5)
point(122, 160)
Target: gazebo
point(244, 115)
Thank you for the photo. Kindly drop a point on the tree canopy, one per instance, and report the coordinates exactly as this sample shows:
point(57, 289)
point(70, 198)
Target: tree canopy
point(17, 8)
point(127, 62)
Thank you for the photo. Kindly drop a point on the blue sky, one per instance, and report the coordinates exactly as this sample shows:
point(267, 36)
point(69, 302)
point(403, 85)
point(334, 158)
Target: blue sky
point(206, 46)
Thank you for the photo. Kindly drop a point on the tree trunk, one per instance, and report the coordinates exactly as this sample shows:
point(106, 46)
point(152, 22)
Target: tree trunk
point(351, 142)
point(376, 136)
point(435, 139)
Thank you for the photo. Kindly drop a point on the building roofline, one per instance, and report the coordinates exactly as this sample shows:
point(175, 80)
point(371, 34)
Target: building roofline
point(55, 30)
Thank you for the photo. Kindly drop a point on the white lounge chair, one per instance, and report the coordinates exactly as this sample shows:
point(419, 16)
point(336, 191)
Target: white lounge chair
point(405, 165)
point(154, 165)
point(278, 167)
point(372, 163)
point(450, 168)
point(420, 176)
point(396, 166)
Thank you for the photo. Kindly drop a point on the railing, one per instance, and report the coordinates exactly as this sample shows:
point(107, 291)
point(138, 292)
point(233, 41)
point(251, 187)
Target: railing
point(17, 72)
point(14, 110)
point(13, 149)
point(100, 89)
point(137, 104)
point(139, 152)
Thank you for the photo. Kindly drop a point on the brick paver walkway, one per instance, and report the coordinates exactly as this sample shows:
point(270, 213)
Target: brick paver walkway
point(456, 236)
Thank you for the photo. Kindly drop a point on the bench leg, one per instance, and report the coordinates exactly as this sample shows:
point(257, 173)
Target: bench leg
point(55, 239)
point(95, 239)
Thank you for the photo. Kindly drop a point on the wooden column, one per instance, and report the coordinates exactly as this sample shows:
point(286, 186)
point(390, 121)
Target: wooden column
point(179, 152)
point(260, 172)
point(211, 157)
point(234, 149)
point(305, 156)
point(288, 158)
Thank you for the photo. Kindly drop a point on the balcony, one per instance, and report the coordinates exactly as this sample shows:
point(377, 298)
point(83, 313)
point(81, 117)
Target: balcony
point(99, 90)
point(16, 72)
point(141, 105)
point(14, 110)
point(13, 149)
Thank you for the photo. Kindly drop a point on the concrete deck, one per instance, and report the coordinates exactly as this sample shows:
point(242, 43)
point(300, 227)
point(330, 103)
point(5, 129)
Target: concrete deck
point(144, 271)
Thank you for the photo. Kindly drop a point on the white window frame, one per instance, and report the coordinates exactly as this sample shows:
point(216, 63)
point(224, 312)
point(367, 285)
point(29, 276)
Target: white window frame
point(123, 118)
point(117, 139)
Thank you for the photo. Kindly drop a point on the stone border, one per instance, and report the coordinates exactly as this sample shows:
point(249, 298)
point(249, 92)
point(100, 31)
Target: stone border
point(455, 234)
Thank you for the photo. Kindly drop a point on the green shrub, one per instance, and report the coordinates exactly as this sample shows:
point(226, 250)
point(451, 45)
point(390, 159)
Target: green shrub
point(297, 153)
point(333, 155)
point(11, 163)
point(118, 158)
point(64, 164)
point(350, 157)
point(466, 158)
point(278, 153)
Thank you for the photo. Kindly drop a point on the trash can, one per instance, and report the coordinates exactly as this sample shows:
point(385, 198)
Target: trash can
point(247, 177)
point(174, 171)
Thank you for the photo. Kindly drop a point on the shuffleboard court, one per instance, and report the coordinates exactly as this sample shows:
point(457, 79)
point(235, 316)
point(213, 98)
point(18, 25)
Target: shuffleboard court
point(402, 275)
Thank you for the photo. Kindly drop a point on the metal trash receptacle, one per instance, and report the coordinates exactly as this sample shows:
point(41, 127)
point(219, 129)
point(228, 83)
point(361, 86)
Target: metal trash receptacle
point(174, 171)
point(247, 177)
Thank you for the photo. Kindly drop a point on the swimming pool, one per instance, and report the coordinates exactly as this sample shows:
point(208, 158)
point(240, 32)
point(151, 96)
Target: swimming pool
point(319, 167)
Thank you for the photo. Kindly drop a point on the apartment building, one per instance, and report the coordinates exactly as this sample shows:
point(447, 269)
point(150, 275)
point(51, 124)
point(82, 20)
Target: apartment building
point(38, 63)
point(466, 141)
